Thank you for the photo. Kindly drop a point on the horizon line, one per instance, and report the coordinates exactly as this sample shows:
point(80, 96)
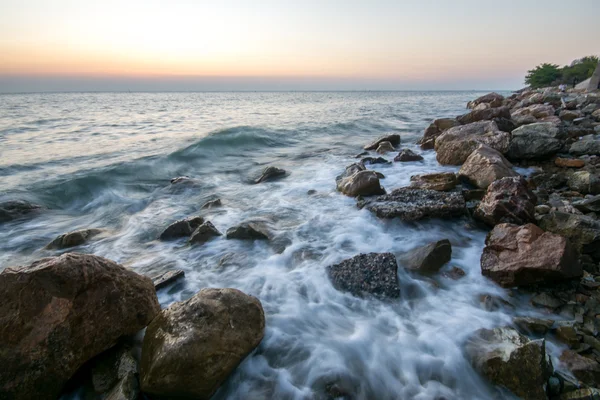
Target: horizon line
point(258, 91)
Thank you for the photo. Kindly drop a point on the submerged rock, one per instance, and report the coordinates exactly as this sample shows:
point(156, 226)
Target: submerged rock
point(385, 147)
point(164, 279)
point(271, 174)
point(534, 142)
point(484, 166)
point(374, 160)
point(531, 325)
point(212, 204)
point(441, 181)
point(413, 204)
point(523, 255)
point(408, 155)
point(191, 347)
point(204, 233)
point(507, 200)
point(74, 238)
point(16, 209)
point(435, 129)
point(182, 228)
point(77, 307)
point(428, 259)
point(394, 140)
point(249, 231)
point(367, 274)
point(507, 358)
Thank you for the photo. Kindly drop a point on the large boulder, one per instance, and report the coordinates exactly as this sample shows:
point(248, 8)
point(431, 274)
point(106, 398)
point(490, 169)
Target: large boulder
point(373, 274)
point(427, 259)
point(182, 228)
point(484, 115)
point(411, 204)
point(58, 313)
point(74, 238)
point(536, 141)
point(357, 181)
point(394, 140)
point(442, 181)
point(484, 166)
point(191, 347)
point(582, 231)
point(493, 99)
point(15, 209)
point(585, 182)
point(523, 255)
point(507, 358)
point(507, 200)
point(588, 145)
point(435, 129)
point(456, 144)
point(531, 114)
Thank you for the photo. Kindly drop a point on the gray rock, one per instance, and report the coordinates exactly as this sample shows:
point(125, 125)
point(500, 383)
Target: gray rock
point(127, 388)
point(394, 140)
point(385, 147)
point(585, 182)
point(367, 274)
point(374, 160)
point(356, 181)
point(428, 259)
point(582, 231)
point(583, 368)
point(167, 278)
point(435, 129)
point(16, 209)
point(74, 238)
point(591, 204)
point(182, 228)
point(408, 155)
point(536, 141)
point(484, 115)
point(212, 204)
point(441, 181)
point(271, 174)
point(484, 166)
point(112, 366)
point(204, 233)
point(588, 145)
point(531, 325)
point(249, 231)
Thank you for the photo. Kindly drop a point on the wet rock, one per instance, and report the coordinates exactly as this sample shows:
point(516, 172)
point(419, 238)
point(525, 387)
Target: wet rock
point(581, 394)
point(534, 142)
point(127, 388)
point(535, 326)
point(74, 238)
point(567, 333)
point(493, 99)
point(411, 204)
point(569, 162)
point(585, 182)
point(484, 166)
point(583, 368)
point(270, 174)
point(394, 140)
point(360, 183)
point(385, 147)
point(590, 204)
point(165, 279)
point(494, 303)
point(16, 209)
point(440, 181)
point(546, 300)
point(191, 347)
point(182, 228)
point(112, 366)
point(588, 145)
point(456, 144)
point(212, 204)
point(507, 358)
point(523, 255)
point(408, 155)
point(367, 274)
point(183, 180)
point(428, 259)
point(204, 233)
point(454, 273)
point(77, 307)
point(374, 160)
point(484, 115)
point(249, 231)
point(435, 129)
point(507, 200)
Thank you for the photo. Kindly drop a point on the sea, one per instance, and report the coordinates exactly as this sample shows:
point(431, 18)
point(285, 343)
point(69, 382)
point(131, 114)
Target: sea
point(105, 160)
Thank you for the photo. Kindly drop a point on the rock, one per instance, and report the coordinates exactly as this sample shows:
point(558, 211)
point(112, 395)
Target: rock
point(507, 200)
point(484, 115)
point(164, 279)
point(581, 394)
point(408, 155)
point(567, 334)
point(385, 147)
point(191, 347)
point(584, 182)
point(434, 130)
point(374, 160)
point(535, 326)
point(505, 125)
point(546, 300)
point(249, 231)
point(596, 114)
point(542, 209)
point(569, 115)
point(523, 255)
point(583, 232)
point(204, 233)
point(74, 238)
point(484, 166)
point(588, 145)
point(456, 144)
point(569, 162)
point(394, 140)
point(367, 274)
point(493, 99)
point(441, 181)
point(591, 204)
point(534, 142)
point(531, 114)
point(507, 358)
point(112, 366)
point(270, 174)
point(411, 204)
point(212, 204)
point(182, 228)
point(349, 171)
point(356, 181)
point(454, 273)
point(428, 259)
point(16, 209)
point(77, 307)
point(127, 388)
point(184, 180)
point(584, 369)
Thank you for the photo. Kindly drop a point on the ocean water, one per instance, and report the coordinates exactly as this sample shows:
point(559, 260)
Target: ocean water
point(104, 160)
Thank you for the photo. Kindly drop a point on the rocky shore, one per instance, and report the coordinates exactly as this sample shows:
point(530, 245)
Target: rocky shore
point(529, 175)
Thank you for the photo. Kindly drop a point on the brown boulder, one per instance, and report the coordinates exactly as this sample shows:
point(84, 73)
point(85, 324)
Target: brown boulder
point(191, 347)
point(182, 228)
point(74, 238)
point(507, 200)
point(435, 129)
point(408, 155)
point(484, 166)
point(584, 369)
point(523, 255)
point(531, 114)
point(493, 99)
point(204, 233)
point(484, 115)
point(361, 183)
point(58, 313)
point(441, 181)
point(385, 147)
point(394, 140)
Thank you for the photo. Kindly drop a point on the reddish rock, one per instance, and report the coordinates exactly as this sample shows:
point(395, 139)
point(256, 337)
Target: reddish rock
point(484, 166)
point(569, 162)
point(507, 200)
point(523, 255)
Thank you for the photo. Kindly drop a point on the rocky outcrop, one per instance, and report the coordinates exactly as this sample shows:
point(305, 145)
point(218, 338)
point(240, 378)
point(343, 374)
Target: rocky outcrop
point(456, 144)
point(191, 347)
point(249, 231)
point(408, 155)
point(204, 233)
point(16, 209)
point(484, 166)
point(76, 306)
point(486, 114)
point(441, 181)
point(492, 99)
point(507, 358)
point(435, 129)
point(394, 140)
point(534, 142)
point(427, 259)
point(524, 255)
point(588, 145)
point(357, 181)
point(584, 182)
point(182, 228)
point(367, 274)
point(385, 147)
point(270, 174)
point(582, 231)
point(532, 114)
point(507, 200)
point(74, 238)
point(410, 204)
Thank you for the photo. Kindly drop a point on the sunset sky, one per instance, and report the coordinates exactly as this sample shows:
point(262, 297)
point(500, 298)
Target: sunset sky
point(268, 44)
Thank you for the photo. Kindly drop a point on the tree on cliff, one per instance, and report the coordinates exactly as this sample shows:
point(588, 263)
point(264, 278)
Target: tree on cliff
point(579, 70)
point(543, 75)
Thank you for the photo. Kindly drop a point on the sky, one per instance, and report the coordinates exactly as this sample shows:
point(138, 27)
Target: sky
point(174, 45)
